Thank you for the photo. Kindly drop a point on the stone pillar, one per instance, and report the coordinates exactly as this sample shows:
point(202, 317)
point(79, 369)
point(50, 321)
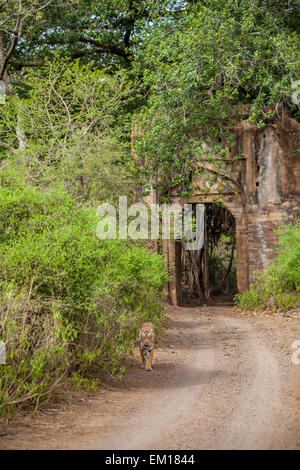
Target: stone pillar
point(174, 269)
point(248, 149)
point(165, 252)
point(242, 260)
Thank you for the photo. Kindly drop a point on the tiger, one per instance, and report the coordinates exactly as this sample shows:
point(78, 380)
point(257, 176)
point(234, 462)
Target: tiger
point(146, 342)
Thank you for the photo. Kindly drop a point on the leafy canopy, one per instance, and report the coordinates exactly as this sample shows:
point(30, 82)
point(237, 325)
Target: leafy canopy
point(200, 69)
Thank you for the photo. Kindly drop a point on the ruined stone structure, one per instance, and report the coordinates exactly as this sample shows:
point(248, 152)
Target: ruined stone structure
point(262, 191)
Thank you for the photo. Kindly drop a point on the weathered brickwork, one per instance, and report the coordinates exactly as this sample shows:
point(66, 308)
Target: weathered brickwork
point(266, 195)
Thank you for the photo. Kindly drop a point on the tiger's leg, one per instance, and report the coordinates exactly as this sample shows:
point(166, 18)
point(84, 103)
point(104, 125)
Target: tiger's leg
point(143, 358)
point(149, 361)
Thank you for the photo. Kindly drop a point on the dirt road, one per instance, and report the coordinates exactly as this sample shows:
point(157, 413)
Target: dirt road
point(219, 383)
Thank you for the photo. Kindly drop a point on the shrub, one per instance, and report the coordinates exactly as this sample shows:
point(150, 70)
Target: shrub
point(70, 304)
point(279, 286)
point(73, 120)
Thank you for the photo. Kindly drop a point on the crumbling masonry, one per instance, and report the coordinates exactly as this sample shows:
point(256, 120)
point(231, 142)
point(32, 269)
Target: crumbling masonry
point(265, 194)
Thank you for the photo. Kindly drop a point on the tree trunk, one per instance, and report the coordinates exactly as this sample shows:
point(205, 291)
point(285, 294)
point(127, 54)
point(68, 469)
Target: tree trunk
point(224, 283)
point(205, 271)
point(6, 78)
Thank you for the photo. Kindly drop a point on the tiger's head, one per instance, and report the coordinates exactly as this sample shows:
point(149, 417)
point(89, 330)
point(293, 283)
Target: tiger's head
point(146, 339)
point(147, 336)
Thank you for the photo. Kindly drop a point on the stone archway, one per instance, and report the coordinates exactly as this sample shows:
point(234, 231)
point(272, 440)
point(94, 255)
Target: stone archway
point(234, 204)
point(266, 194)
point(172, 249)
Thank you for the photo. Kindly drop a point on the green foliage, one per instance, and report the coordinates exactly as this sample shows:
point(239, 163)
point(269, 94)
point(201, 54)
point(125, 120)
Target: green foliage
point(218, 261)
point(101, 30)
point(38, 356)
point(71, 127)
point(279, 286)
point(287, 265)
point(200, 70)
point(59, 99)
point(71, 304)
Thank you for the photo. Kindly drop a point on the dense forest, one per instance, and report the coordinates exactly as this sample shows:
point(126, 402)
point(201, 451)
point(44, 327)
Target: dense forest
point(77, 76)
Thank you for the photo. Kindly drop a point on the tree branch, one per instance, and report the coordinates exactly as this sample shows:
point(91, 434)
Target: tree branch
point(226, 177)
point(110, 48)
point(17, 33)
point(99, 47)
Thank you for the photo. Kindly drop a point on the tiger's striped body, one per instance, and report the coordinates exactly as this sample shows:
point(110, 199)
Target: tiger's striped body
point(146, 345)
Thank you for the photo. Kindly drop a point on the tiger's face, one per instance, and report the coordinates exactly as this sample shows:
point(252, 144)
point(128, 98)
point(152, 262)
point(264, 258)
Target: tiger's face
point(147, 336)
point(147, 339)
